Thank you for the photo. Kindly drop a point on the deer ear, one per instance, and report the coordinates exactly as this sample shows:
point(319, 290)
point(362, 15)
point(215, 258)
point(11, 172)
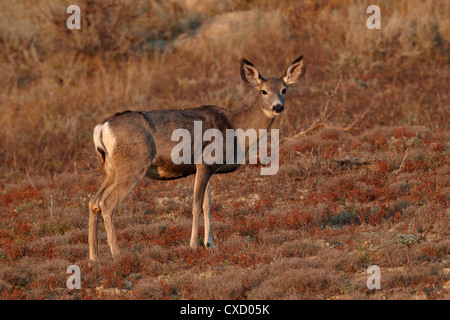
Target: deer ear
point(249, 73)
point(295, 71)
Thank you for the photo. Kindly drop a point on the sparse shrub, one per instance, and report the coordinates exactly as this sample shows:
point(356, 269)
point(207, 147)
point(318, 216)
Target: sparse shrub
point(399, 207)
point(364, 254)
point(406, 239)
point(343, 218)
point(349, 215)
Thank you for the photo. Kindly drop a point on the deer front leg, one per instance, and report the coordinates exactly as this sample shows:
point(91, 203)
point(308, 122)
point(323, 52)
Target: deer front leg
point(208, 241)
point(201, 181)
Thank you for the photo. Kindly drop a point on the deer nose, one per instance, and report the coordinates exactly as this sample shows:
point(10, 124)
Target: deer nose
point(278, 108)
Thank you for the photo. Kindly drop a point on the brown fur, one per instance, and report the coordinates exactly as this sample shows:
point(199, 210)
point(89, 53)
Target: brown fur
point(143, 148)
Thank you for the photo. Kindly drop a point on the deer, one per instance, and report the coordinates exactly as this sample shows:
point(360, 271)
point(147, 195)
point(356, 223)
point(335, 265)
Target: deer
point(132, 145)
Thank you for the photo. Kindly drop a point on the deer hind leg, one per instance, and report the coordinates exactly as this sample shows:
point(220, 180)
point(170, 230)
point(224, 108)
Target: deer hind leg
point(116, 186)
point(208, 241)
point(109, 202)
point(94, 213)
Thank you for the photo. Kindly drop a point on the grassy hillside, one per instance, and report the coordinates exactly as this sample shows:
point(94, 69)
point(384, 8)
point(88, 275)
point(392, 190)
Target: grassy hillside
point(342, 200)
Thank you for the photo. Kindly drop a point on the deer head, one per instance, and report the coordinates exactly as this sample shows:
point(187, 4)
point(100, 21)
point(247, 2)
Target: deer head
point(272, 91)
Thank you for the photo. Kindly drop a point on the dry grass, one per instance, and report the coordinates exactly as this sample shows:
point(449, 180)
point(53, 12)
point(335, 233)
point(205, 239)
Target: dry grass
point(340, 202)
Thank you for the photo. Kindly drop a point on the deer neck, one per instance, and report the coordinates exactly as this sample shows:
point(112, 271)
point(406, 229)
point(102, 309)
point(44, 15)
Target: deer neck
point(251, 118)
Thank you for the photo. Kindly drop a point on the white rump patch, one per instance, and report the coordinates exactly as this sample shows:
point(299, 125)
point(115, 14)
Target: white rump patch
point(108, 139)
point(97, 133)
point(104, 138)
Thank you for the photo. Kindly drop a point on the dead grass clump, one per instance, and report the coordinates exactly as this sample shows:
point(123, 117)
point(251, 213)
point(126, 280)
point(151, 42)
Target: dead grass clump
point(277, 237)
point(228, 32)
point(234, 284)
point(148, 290)
point(398, 207)
point(295, 284)
point(333, 259)
point(299, 248)
point(423, 282)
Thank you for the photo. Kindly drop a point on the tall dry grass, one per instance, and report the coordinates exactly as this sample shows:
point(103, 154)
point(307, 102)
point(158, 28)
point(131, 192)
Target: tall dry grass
point(56, 84)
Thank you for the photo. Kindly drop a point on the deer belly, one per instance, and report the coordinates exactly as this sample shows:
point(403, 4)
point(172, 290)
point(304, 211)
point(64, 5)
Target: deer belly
point(226, 168)
point(170, 172)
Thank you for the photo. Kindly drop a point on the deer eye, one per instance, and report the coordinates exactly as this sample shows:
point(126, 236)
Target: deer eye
point(283, 91)
point(264, 92)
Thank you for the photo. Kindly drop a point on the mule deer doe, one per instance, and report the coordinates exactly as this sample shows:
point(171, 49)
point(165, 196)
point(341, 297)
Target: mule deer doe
point(135, 144)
